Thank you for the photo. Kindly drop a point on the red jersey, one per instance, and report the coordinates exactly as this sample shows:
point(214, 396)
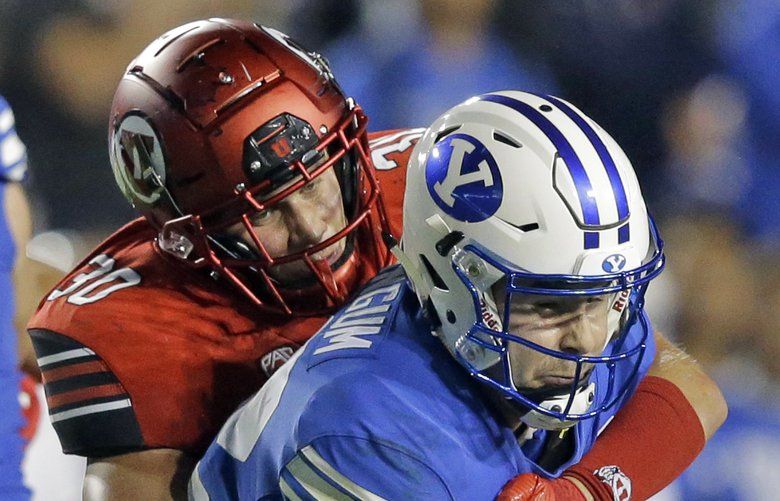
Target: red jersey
point(138, 351)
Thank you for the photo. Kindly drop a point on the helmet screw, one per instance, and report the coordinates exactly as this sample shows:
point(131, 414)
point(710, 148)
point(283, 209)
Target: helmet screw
point(556, 408)
point(214, 275)
point(225, 78)
point(255, 166)
point(323, 129)
point(240, 187)
point(590, 397)
point(474, 270)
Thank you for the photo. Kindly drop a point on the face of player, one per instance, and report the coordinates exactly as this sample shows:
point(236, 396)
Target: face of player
point(309, 216)
point(575, 325)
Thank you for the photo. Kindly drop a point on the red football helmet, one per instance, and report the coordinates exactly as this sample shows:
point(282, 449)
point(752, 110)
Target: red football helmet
point(219, 120)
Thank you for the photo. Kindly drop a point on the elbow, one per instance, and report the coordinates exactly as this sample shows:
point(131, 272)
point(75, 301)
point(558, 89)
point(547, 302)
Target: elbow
point(713, 409)
point(719, 411)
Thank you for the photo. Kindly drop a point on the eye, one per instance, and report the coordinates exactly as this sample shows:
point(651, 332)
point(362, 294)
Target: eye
point(310, 186)
point(262, 217)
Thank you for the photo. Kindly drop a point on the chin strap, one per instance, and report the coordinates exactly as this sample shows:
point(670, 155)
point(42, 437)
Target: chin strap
point(581, 402)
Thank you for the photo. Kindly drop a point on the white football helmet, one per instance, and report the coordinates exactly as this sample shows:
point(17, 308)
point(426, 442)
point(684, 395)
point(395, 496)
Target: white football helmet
point(526, 188)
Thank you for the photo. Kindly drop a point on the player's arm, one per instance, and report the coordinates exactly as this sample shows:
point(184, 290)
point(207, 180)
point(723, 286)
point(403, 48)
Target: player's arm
point(677, 367)
point(157, 474)
point(20, 226)
point(95, 416)
point(652, 439)
point(31, 279)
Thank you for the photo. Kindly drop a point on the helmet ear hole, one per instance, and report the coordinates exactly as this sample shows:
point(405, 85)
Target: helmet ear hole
point(438, 282)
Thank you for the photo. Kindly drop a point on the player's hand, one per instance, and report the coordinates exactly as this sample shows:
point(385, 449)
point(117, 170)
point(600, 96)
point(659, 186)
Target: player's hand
point(530, 486)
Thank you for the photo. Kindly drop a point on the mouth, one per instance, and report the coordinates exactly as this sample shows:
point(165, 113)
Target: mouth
point(556, 381)
point(331, 256)
point(563, 380)
point(300, 276)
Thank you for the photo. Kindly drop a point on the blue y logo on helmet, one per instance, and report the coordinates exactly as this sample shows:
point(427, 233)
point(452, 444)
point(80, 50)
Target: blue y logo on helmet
point(613, 263)
point(463, 178)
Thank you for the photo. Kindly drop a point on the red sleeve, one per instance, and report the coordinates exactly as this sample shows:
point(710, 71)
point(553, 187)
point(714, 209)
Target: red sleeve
point(648, 444)
point(158, 363)
point(154, 376)
point(89, 407)
point(390, 152)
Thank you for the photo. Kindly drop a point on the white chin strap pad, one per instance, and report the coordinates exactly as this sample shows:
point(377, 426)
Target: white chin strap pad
point(580, 405)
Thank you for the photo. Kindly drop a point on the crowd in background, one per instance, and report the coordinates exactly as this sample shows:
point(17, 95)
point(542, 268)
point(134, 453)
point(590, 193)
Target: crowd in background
point(688, 88)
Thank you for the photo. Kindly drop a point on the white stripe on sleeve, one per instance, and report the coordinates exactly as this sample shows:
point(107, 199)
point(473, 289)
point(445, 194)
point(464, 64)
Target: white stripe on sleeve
point(90, 409)
point(65, 355)
point(348, 485)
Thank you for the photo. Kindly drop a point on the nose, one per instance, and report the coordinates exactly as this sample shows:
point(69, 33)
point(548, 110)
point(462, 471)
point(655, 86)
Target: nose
point(582, 336)
point(306, 224)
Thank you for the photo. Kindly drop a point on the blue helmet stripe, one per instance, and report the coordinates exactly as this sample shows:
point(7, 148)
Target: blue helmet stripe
point(591, 240)
point(621, 200)
point(624, 234)
point(609, 164)
point(590, 211)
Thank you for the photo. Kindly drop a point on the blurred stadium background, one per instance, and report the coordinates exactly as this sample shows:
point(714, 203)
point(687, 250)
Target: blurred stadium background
point(688, 88)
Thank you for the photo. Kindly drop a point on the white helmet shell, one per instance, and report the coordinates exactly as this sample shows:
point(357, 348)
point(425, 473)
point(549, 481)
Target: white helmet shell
point(538, 187)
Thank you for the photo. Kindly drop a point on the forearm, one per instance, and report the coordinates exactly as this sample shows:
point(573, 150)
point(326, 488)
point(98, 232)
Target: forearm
point(661, 430)
point(701, 392)
point(160, 474)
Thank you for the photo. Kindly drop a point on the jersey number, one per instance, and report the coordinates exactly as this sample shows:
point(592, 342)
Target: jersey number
point(383, 147)
point(84, 284)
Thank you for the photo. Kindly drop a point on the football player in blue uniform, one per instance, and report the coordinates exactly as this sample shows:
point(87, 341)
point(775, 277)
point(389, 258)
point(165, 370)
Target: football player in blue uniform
point(14, 222)
point(508, 339)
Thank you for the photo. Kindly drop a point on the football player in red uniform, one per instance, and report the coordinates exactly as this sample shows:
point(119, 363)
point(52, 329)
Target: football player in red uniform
point(260, 191)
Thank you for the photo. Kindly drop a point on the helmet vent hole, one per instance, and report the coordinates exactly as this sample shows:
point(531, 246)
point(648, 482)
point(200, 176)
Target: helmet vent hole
point(501, 138)
point(451, 317)
point(445, 132)
point(545, 107)
point(437, 280)
point(528, 227)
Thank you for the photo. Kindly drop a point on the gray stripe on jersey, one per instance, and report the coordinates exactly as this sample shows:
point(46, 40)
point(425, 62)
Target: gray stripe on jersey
point(288, 491)
point(195, 490)
point(311, 480)
point(348, 485)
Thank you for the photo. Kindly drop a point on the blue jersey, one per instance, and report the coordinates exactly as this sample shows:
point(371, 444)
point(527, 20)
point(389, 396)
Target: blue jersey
point(374, 407)
point(13, 165)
